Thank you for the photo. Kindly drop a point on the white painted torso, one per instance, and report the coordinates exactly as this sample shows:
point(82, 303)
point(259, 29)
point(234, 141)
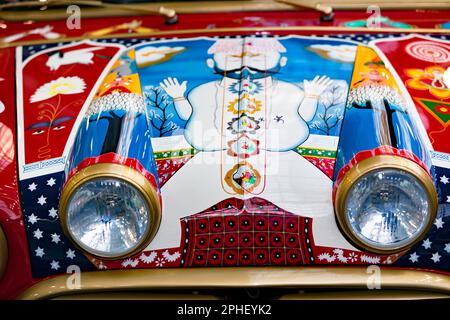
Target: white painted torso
point(281, 126)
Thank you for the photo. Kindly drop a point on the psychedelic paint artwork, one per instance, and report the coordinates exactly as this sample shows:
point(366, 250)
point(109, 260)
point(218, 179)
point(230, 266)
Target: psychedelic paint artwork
point(54, 86)
point(423, 67)
point(245, 136)
point(234, 117)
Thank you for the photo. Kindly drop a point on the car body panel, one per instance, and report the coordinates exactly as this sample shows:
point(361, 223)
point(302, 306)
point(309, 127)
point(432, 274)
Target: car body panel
point(305, 223)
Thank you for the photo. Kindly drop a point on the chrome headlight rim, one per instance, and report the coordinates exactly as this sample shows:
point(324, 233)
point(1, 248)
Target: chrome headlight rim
point(119, 172)
point(376, 163)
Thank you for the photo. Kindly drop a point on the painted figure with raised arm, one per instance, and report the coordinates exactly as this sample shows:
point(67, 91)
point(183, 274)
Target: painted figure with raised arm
point(246, 125)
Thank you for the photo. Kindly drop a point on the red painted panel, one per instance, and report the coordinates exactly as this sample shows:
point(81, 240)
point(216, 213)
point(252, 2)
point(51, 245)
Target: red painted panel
point(53, 95)
point(421, 64)
point(18, 270)
point(108, 26)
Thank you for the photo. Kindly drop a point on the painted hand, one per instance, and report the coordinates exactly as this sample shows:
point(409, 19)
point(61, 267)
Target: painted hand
point(315, 87)
point(173, 88)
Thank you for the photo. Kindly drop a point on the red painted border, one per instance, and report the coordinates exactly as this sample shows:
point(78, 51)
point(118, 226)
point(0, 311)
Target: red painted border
point(418, 18)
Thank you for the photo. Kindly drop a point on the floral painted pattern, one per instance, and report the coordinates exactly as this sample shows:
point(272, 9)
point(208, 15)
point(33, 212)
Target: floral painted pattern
point(62, 85)
point(430, 79)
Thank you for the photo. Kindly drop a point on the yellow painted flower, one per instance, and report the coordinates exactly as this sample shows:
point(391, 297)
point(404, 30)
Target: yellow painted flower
point(62, 85)
point(245, 104)
point(443, 110)
point(431, 79)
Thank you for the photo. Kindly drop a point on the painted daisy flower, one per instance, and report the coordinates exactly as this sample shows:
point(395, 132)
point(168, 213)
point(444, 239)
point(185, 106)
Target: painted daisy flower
point(353, 257)
point(62, 85)
point(160, 262)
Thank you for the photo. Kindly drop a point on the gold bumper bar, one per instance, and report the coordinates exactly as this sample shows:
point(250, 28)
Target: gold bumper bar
point(243, 277)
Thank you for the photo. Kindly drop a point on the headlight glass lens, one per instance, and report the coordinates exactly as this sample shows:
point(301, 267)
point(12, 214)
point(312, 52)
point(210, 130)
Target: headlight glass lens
point(387, 209)
point(108, 217)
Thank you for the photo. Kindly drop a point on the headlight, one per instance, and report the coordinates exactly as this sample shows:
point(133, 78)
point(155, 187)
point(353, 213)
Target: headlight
point(385, 204)
point(109, 210)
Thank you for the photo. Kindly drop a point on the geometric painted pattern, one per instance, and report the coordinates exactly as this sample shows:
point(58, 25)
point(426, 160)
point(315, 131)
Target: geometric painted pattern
point(239, 232)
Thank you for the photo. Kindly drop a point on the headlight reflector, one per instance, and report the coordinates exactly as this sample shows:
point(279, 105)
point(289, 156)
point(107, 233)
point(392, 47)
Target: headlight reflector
point(386, 204)
point(387, 208)
point(108, 217)
point(109, 210)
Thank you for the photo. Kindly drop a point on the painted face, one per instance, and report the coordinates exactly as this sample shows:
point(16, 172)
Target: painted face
point(247, 64)
point(42, 133)
point(375, 75)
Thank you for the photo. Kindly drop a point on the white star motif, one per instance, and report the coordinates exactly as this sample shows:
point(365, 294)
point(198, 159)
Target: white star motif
point(39, 252)
point(447, 247)
point(414, 257)
point(53, 212)
point(32, 219)
point(448, 198)
point(37, 234)
point(436, 257)
point(444, 179)
point(51, 182)
point(54, 264)
point(427, 244)
point(32, 186)
point(56, 238)
point(42, 200)
point(439, 223)
point(70, 254)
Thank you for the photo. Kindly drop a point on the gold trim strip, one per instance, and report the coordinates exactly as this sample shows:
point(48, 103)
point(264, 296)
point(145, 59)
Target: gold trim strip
point(44, 5)
point(325, 9)
point(235, 277)
point(175, 33)
point(139, 296)
point(301, 295)
point(129, 175)
point(383, 162)
point(3, 252)
point(366, 295)
point(217, 7)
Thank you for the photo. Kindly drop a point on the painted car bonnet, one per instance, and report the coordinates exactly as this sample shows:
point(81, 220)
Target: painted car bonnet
point(248, 136)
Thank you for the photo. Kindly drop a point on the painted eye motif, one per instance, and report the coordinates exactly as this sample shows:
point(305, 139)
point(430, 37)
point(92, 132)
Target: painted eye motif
point(37, 132)
point(58, 128)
